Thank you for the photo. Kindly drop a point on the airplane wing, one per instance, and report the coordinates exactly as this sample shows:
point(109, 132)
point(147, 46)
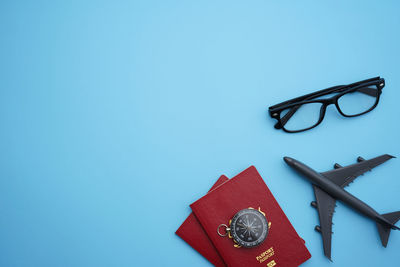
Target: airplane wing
point(342, 176)
point(326, 206)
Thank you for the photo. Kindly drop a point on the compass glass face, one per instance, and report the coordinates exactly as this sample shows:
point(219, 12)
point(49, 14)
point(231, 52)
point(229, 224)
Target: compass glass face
point(249, 228)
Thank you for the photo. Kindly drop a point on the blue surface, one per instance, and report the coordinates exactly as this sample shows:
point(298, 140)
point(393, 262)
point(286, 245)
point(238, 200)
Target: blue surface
point(116, 115)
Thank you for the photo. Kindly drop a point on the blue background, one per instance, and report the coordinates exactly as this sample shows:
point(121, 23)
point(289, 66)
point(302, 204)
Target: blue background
point(116, 115)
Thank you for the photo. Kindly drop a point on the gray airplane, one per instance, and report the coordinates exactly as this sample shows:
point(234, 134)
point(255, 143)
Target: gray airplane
point(328, 187)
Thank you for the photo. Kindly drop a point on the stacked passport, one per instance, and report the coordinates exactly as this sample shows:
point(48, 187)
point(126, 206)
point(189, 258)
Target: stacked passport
point(282, 247)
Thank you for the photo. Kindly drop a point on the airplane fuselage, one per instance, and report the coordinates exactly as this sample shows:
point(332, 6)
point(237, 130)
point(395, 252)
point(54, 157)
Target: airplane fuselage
point(335, 191)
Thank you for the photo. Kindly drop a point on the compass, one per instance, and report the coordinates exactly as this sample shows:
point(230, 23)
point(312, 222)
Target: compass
point(248, 228)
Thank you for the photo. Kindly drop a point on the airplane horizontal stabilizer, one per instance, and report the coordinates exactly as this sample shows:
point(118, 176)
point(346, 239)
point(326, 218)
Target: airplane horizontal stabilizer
point(384, 230)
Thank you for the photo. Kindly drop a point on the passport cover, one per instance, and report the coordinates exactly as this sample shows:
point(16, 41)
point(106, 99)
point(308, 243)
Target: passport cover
point(283, 246)
point(193, 233)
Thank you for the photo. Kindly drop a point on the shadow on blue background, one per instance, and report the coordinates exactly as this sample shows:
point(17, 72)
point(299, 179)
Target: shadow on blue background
point(116, 115)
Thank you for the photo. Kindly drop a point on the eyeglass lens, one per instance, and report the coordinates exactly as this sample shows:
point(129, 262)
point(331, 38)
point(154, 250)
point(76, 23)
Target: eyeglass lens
point(304, 116)
point(359, 101)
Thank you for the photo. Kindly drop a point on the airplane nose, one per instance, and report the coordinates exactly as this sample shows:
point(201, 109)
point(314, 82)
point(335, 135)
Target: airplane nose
point(288, 160)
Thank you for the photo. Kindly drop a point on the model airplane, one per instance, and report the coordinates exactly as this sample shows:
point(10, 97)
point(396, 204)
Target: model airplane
point(328, 187)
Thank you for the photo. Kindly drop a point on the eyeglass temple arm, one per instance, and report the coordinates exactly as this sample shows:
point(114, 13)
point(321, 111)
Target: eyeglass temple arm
point(322, 92)
point(308, 96)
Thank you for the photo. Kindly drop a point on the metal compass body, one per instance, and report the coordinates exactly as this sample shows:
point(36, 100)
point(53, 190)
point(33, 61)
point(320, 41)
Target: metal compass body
point(248, 228)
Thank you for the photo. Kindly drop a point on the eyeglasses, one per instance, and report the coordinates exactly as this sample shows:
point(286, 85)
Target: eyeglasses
point(306, 112)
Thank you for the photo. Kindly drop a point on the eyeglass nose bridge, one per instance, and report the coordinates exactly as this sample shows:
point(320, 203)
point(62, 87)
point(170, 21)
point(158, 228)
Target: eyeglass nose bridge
point(330, 101)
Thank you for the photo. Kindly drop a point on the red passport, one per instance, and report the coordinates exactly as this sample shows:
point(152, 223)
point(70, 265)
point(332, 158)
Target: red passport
point(193, 233)
point(283, 246)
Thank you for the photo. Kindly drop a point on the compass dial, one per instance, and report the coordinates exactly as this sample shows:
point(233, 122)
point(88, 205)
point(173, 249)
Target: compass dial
point(249, 228)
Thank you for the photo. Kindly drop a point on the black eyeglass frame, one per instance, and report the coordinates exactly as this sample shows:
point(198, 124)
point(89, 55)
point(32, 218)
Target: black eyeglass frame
point(295, 103)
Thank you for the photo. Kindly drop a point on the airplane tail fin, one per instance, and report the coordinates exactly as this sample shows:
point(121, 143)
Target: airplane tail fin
point(384, 229)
